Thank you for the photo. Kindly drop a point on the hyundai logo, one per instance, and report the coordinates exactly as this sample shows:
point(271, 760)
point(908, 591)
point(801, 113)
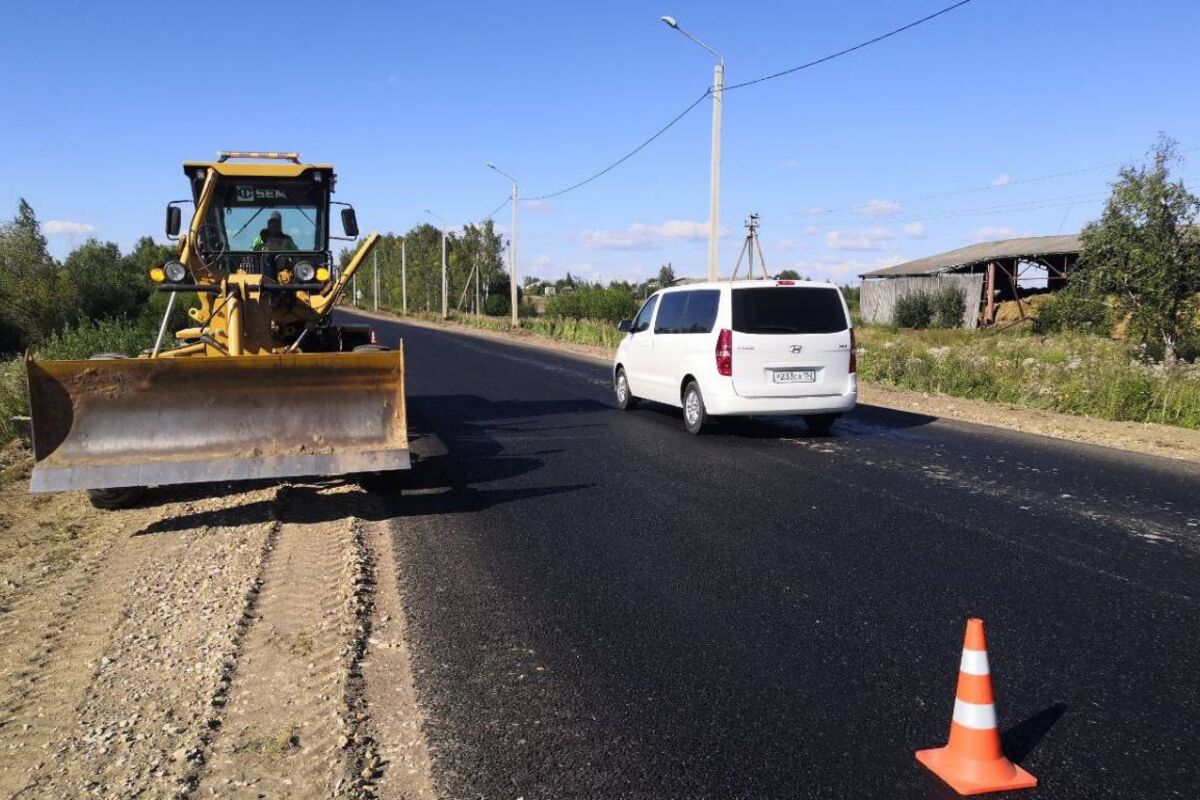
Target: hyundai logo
point(797, 348)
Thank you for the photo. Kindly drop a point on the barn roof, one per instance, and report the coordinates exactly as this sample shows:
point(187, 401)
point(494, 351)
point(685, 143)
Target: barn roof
point(1029, 247)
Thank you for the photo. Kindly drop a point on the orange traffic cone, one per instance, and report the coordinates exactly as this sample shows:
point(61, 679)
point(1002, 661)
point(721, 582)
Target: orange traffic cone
point(972, 762)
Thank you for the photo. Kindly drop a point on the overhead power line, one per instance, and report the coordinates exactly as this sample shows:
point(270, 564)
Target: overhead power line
point(496, 210)
point(628, 155)
point(848, 50)
point(708, 92)
point(862, 207)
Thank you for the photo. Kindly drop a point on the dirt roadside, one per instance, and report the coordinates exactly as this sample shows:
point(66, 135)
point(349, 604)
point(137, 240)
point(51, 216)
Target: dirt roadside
point(1146, 438)
point(218, 641)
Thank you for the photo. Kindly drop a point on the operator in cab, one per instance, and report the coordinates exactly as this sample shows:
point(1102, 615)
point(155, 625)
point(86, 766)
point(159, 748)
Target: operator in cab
point(272, 237)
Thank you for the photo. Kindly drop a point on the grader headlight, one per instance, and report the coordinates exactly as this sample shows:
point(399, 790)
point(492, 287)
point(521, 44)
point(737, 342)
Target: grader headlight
point(305, 272)
point(175, 271)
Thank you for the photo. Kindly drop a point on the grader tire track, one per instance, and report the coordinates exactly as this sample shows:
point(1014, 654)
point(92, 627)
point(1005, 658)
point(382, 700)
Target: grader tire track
point(288, 731)
point(212, 645)
point(144, 708)
point(48, 649)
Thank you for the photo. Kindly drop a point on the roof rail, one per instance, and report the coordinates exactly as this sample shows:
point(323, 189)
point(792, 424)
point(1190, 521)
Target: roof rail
point(225, 155)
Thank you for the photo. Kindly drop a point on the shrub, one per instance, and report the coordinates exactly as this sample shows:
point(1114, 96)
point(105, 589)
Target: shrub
point(106, 336)
point(13, 397)
point(949, 306)
point(611, 304)
point(1072, 311)
point(914, 310)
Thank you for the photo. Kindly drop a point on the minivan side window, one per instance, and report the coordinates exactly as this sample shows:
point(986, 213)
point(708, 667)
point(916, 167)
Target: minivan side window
point(802, 309)
point(688, 312)
point(642, 321)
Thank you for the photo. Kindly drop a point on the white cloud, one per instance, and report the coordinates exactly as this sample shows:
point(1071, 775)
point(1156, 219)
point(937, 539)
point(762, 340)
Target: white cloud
point(812, 230)
point(816, 212)
point(1002, 180)
point(841, 270)
point(990, 233)
point(790, 163)
point(879, 208)
point(543, 261)
point(866, 239)
point(62, 227)
point(539, 206)
point(788, 244)
point(642, 235)
point(914, 230)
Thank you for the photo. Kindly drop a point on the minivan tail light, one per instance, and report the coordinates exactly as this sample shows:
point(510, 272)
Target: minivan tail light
point(785, 283)
point(725, 352)
point(853, 352)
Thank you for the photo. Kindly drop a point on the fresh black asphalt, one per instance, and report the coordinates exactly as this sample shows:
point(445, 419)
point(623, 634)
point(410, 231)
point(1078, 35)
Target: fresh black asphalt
point(603, 606)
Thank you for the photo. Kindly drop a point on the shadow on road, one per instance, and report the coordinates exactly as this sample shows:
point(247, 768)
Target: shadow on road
point(1019, 740)
point(458, 443)
point(863, 422)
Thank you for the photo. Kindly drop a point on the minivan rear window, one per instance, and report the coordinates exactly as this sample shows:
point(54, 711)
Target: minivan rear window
point(688, 312)
point(800, 309)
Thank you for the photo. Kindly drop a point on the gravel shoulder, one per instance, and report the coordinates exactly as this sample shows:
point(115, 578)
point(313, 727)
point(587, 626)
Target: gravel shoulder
point(217, 642)
point(1146, 438)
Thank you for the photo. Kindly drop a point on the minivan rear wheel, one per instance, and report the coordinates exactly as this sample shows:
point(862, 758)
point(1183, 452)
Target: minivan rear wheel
point(625, 398)
point(694, 414)
point(819, 424)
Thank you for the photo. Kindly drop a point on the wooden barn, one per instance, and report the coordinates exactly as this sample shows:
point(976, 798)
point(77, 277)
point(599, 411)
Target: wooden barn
point(989, 273)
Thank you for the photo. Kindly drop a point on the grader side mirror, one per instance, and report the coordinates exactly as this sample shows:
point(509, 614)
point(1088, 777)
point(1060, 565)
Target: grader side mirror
point(173, 221)
point(349, 222)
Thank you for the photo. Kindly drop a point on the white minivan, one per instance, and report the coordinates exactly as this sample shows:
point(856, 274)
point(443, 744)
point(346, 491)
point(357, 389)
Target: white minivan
point(750, 347)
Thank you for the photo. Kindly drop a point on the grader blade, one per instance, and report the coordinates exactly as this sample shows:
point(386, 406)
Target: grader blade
point(156, 421)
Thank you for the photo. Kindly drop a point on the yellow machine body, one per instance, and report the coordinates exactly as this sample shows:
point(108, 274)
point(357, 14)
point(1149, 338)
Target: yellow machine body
point(261, 386)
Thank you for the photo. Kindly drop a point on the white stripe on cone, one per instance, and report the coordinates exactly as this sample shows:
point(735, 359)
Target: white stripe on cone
point(981, 716)
point(974, 662)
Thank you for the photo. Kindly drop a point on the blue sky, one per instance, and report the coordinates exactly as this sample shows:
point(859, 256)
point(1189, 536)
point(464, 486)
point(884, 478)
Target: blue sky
point(103, 101)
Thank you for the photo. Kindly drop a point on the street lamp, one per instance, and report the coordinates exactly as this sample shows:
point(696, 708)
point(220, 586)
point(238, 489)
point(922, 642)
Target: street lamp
point(714, 197)
point(445, 287)
point(512, 247)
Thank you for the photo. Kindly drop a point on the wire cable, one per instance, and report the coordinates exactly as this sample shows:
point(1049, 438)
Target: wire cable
point(631, 153)
point(849, 50)
point(993, 186)
point(498, 208)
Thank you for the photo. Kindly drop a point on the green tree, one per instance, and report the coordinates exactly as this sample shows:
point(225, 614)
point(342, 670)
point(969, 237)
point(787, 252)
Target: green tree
point(104, 284)
point(1144, 253)
point(666, 275)
point(35, 300)
point(788, 275)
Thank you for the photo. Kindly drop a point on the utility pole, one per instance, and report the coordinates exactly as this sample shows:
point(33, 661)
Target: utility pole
point(403, 277)
point(445, 283)
point(714, 188)
point(375, 279)
point(512, 247)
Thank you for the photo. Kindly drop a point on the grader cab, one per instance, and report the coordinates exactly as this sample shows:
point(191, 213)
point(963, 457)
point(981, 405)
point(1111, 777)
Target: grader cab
point(262, 383)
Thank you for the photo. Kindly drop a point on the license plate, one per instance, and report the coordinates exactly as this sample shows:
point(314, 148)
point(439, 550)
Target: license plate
point(794, 376)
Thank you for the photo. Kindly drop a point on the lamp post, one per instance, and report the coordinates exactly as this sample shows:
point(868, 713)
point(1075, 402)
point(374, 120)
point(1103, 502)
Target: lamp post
point(445, 287)
point(512, 247)
point(714, 192)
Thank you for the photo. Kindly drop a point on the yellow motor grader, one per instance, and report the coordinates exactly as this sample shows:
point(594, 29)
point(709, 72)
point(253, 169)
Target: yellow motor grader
point(262, 384)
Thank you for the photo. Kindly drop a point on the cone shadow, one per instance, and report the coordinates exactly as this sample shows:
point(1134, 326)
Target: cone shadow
point(1019, 740)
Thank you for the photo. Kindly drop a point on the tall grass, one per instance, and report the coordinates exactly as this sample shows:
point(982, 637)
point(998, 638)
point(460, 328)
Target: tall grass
point(106, 336)
point(576, 331)
point(1071, 373)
